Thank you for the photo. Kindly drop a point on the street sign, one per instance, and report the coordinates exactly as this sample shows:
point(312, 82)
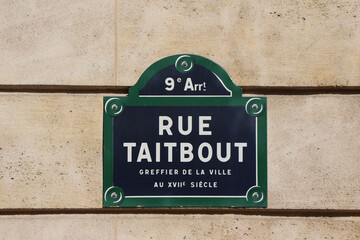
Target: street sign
point(185, 137)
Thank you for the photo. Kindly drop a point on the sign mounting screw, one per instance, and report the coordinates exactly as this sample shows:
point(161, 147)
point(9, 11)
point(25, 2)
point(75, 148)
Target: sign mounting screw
point(184, 64)
point(115, 107)
point(114, 195)
point(255, 107)
point(255, 195)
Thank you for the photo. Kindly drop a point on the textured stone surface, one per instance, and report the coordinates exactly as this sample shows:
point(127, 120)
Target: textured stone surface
point(262, 43)
point(312, 151)
point(176, 227)
point(51, 151)
point(57, 42)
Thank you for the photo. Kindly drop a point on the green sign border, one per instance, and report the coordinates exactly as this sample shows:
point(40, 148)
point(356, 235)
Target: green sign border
point(255, 106)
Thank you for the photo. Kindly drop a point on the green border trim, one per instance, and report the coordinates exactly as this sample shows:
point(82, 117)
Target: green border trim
point(259, 199)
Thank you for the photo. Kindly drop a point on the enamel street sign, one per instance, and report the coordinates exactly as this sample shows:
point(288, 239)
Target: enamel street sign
point(185, 136)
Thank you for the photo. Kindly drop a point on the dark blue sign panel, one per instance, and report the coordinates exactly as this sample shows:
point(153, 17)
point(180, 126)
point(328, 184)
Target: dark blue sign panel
point(185, 137)
point(185, 151)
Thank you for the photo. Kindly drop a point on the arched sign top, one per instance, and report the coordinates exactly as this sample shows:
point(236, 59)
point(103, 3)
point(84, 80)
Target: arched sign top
point(185, 75)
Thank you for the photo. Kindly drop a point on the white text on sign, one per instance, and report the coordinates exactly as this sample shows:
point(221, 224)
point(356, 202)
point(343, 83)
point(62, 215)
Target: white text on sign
point(189, 85)
point(204, 152)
